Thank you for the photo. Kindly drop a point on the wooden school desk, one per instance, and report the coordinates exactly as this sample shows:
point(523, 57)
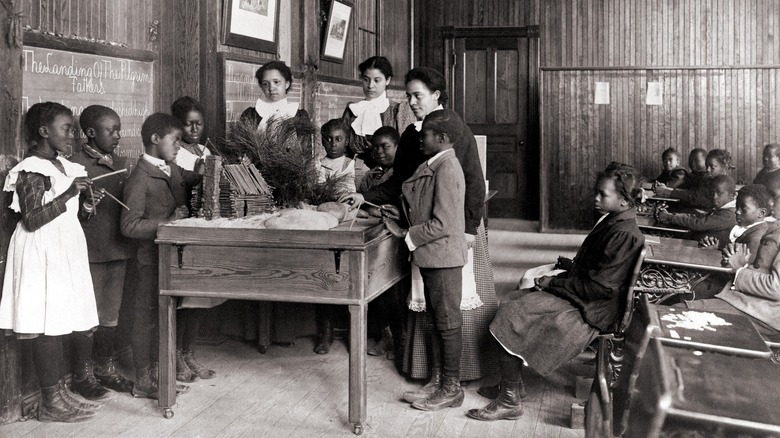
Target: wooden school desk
point(675, 266)
point(337, 266)
point(689, 392)
point(707, 331)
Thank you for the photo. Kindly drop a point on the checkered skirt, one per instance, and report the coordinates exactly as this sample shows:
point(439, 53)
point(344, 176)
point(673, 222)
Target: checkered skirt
point(479, 356)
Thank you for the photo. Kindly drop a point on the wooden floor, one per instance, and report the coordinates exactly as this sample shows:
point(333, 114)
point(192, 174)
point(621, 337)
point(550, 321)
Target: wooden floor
point(292, 392)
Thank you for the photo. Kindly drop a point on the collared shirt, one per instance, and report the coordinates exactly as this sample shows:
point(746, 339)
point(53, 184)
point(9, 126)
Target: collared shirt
point(738, 231)
point(418, 124)
point(158, 163)
point(102, 158)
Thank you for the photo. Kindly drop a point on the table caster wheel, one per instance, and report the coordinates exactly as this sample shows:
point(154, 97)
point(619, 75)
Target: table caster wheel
point(168, 413)
point(262, 348)
point(357, 429)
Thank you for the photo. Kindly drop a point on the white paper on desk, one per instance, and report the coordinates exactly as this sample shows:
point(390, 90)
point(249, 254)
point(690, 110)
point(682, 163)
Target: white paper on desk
point(602, 93)
point(655, 93)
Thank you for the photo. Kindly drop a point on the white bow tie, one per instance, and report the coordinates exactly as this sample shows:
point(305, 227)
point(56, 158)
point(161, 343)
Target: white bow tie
point(165, 168)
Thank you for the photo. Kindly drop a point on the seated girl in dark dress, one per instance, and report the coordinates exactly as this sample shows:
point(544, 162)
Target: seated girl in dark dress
point(549, 325)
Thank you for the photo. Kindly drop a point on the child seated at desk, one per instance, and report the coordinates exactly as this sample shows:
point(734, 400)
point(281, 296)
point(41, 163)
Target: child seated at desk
point(673, 175)
point(698, 169)
point(717, 222)
point(770, 174)
point(700, 197)
point(754, 290)
point(753, 206)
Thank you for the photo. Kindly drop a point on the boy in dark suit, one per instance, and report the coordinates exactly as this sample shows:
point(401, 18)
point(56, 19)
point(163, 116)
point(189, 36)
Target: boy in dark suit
point(717, 222)
point(108, 249)
point(156, 193)
point(433, 203)
point(673, 175)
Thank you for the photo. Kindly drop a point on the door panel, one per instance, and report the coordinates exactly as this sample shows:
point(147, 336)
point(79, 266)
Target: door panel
point(490, 83)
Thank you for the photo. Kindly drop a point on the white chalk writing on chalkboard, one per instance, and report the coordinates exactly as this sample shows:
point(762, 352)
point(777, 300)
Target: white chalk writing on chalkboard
point(78, 80)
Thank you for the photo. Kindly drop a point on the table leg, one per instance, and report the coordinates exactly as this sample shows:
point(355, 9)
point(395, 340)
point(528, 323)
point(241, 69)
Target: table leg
point(357, 367)
point(264, 316)
point(167, 381)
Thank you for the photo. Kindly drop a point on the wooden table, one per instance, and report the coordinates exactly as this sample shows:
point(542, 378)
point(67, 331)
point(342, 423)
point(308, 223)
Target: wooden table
point(674, 266)
point(700, 393)
point(337, 266)
point(731, 334)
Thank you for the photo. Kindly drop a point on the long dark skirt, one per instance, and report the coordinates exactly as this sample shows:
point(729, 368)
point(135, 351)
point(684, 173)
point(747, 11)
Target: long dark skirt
point(479, 357)
point(545, 330)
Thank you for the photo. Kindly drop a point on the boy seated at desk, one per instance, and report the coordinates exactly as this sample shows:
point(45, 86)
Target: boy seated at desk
point(754, 291)
point(697, 198)
point(769, 175)
point(753, 206)
point(698, 169)
point(717, 222)
point(673, 175)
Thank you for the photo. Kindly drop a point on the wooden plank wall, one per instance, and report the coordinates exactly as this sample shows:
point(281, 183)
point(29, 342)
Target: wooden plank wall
point(718, 60)
point(659, 33)
point(737, 109)
point(431, 15)
point(119, 21)
point(388, 19)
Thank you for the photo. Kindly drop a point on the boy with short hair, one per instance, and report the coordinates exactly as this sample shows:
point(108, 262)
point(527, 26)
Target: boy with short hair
point(673, 175)
point(108, 250)
point(335, 135)
point(434, 197)
point(156, 193)
point(753, 206)
point(717, 222)
point(698, 168)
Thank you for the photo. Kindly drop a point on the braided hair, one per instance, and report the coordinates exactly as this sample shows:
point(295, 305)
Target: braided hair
point(628, 181)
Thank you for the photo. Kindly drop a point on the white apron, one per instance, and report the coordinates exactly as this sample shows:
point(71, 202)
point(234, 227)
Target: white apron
point(47, 286)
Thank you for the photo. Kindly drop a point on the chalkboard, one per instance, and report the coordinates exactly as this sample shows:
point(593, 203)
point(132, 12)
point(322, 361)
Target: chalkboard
point(78, 80)
point(242, 91)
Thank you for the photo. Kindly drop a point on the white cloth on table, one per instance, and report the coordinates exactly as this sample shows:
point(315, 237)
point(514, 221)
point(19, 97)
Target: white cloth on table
point(47, 285)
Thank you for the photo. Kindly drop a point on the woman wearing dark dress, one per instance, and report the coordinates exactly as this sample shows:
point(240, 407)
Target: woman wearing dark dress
point(275, 80)
point(376, 110)
point(364, 118)
point(426, 92)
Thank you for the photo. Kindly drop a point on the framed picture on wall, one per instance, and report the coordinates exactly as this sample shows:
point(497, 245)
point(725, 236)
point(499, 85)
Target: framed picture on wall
point(334, 42)
point(251, 24)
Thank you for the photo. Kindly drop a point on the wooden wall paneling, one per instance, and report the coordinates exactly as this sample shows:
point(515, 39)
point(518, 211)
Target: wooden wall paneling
point(10, 147)
point(729, 108)
point(395, 36)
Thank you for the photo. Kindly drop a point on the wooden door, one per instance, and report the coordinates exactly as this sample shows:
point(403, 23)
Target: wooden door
point(492, 74)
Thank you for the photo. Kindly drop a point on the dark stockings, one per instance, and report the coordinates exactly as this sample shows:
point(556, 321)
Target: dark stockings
point(82, 346)
point(446, 350)
point(511, 366)
point(187, 325)
point(47, 351)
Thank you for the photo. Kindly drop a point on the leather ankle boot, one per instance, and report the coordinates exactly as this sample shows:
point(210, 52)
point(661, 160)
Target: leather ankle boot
point(108, 376)
point(507, 406)
point(73, 401)
point(384, 345)
point(154, 372)
point(85, 384)
point(427, 390)
point(196, 367)
point(492, 392)
point(183, 371)
point(326, 338)
point(450, 395)
point(54, 408)
point(145, 386)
